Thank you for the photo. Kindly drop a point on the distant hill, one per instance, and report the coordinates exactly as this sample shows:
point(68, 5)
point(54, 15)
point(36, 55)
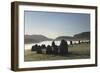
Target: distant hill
point(29, 40)
point(79, 36)
point(83, 35)
point(40, 38)
point(64, 37)
point(35, 38)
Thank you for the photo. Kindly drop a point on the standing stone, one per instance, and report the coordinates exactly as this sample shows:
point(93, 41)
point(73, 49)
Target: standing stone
point(63, 48)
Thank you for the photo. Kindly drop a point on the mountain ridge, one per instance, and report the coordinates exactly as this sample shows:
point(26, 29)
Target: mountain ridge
point(79, 36)
point(39, 38)
point(35, 38)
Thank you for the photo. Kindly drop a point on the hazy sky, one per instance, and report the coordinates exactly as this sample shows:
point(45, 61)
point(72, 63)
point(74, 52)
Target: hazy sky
point(54, 24)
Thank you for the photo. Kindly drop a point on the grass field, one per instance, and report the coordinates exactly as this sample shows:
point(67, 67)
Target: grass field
point(76, 51)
